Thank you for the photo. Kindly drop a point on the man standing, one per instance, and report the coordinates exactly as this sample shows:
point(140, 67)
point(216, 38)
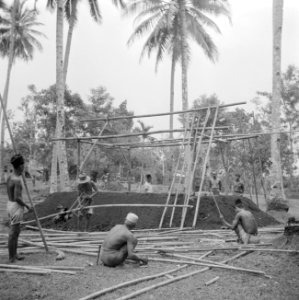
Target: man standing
point(15, 206)
point(86, 189)
point(215, 184)
point(120, 243)
point(148, 187)
point(244, 224)
point(238, 185)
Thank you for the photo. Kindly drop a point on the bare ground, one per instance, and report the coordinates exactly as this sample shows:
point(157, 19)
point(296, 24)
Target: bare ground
point(283, 269)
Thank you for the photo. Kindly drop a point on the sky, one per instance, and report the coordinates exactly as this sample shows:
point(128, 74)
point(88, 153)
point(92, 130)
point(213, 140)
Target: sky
point(100, 57)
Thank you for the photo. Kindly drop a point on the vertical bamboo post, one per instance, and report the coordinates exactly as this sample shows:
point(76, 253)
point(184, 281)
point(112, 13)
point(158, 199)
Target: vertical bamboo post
point(23, 176)
point(130, 166)
point(78, 157)
point(253, 172)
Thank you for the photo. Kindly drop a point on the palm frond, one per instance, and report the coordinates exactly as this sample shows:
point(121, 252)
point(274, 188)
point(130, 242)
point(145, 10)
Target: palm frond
point(95, 10)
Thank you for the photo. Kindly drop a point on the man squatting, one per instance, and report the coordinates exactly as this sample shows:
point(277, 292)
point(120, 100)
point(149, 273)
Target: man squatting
point(120, 243)
point(244, 224)
point(15, 206)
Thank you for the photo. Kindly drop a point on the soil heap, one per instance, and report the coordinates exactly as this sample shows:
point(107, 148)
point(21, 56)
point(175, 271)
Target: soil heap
point(149, 217)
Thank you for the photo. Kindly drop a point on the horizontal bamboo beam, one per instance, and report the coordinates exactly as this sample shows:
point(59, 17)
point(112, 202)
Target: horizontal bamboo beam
point(160, 114)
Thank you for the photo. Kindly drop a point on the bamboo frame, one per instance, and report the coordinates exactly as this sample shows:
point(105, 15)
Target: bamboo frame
point(160, 114)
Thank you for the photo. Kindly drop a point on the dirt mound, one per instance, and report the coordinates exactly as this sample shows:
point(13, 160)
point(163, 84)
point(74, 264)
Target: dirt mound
point(149, 217)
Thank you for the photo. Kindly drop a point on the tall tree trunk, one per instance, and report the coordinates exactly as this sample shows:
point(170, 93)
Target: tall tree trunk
point(69, 39)
point(6, 88)
point(172, 94)
point(276, 200)
point(60, 88)
point(184, 47)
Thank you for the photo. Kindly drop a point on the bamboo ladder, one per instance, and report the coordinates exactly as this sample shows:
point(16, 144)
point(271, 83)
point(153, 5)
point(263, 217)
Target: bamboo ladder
point(204, 167)
point(197, 150)
point(174, 184)
point(185, 163)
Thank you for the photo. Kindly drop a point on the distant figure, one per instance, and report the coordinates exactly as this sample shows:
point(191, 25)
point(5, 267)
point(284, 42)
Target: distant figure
point(238, 185)
point(119, 244)
point(15, 206)
point(244, 224)
point(86, 189)
point(215, 184)
point(62, 216)
point(148, 187)
point(105, 179)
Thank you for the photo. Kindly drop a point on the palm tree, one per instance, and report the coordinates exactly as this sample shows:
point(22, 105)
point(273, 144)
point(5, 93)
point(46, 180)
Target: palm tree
point(171, 24)
point(59, 150)
point(277, 196)
point(18, 39)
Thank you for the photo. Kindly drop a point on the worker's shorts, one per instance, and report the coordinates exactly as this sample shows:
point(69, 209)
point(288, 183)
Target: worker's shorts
point(15, 212)
point(247, 238)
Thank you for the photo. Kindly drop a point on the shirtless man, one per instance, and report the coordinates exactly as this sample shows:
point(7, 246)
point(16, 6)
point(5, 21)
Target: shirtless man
point(120, 243)
point(15, 206)
point(238, 185)
point(215, 184)
point(244, 224)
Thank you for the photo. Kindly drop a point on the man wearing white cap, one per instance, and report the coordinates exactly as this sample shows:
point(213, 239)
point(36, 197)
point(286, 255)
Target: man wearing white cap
point(120, 243)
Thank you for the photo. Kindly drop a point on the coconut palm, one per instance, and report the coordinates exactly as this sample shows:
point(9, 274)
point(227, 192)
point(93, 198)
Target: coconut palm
point(277, 195)
point(18, 39)
point(59, 149)
point(172, 23)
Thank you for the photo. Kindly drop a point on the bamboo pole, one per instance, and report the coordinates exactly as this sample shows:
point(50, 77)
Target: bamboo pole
point(23, 176)
point(253, 173)
point(160, 114)
point(92, 147)
point(204, 166)
point(131, 282)
point(154, 286)
point(32, 272)
point(107, 205)
point(50, 270)
point(207, 283)
point(176, 261)
point(78, 158)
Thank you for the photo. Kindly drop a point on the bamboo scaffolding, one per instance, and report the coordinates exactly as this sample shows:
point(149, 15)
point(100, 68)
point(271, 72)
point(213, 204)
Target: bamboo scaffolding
point(160, 114)
point(92, 147)
point(23, 176)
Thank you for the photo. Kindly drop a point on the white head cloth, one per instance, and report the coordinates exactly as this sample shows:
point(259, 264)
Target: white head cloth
point(132, 218)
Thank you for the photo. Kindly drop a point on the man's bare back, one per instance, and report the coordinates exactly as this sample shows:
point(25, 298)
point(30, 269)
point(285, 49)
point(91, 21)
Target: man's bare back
point(246, 219)
point(117, 237)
